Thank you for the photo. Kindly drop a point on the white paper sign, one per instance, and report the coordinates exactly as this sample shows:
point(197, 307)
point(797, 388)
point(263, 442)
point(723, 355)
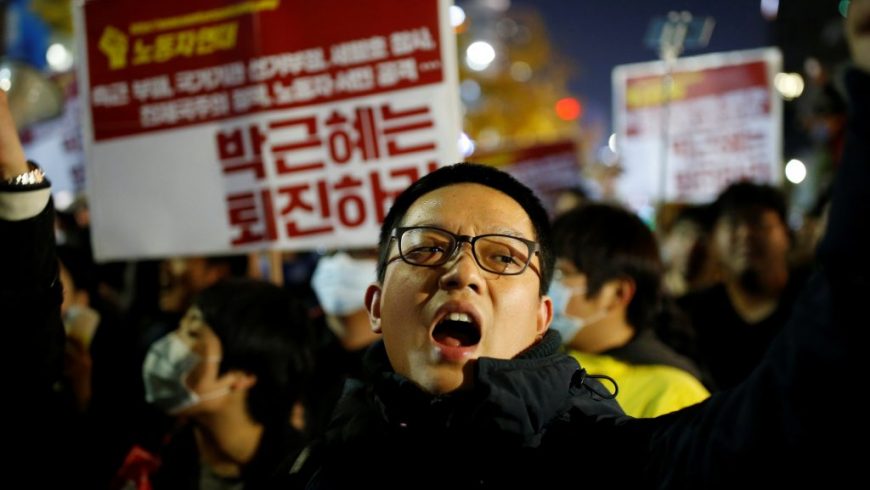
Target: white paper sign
point(723, 120)
point(260, 124)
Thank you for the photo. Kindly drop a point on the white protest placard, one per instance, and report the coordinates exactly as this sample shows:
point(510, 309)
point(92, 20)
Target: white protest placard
point(215, 127)
point(723, 123)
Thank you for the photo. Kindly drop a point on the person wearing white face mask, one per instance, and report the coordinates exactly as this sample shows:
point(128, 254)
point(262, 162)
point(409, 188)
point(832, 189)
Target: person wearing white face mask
point(566, 323)
point(340, 281)
point(169, 365)
point(605, 292)
point(233, 373)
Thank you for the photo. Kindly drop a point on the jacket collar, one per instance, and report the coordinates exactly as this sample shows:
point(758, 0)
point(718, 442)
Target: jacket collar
point(515, 397)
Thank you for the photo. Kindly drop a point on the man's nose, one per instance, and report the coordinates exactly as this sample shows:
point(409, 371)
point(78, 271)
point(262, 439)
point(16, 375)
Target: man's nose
point(462, 270)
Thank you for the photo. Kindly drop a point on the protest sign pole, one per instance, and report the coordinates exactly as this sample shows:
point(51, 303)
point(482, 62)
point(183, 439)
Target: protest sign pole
point(677, 31)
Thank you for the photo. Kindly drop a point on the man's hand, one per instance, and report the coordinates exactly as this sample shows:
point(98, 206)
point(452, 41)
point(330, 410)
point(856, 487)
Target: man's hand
point(858, 33)
point(12, 160)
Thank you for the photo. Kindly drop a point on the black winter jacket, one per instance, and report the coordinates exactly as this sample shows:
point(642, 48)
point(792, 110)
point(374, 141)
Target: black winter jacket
point(391, 434)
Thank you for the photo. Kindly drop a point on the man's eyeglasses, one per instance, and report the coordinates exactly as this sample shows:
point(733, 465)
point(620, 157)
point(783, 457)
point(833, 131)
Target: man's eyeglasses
point(426, 246)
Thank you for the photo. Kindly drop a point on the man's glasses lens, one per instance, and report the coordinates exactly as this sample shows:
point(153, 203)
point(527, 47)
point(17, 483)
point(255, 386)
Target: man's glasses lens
point(430, 247)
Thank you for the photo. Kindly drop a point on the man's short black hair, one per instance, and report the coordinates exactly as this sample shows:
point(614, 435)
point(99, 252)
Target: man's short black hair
point(266, 332)
point(472, 173)
point(745, 196)
point(605, 243)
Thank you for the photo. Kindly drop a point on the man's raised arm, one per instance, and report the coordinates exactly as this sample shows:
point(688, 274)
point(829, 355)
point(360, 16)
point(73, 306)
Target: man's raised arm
point(30, 292)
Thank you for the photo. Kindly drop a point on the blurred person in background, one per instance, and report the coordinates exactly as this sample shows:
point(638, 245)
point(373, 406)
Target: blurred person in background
point(184, 277)
point(339, 281)
point(735, 321)
point(570, 198)
point(178, 281)
point(686, 253)
point(233, 375)
point(100, 381)
point(606, 296)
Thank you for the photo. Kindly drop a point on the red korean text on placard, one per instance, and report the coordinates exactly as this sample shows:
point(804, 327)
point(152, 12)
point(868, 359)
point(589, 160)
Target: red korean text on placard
point(292, 135)
point(326, 204)
point(347, 136)
point(240, 149)
point(252, 215)
point(302, 199)
point(397, 123)
point(316, 208)
point(367, 133)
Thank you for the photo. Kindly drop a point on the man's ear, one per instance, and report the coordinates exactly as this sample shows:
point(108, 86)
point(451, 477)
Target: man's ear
point(373, 305)
point(624, 291)
point(545, 314)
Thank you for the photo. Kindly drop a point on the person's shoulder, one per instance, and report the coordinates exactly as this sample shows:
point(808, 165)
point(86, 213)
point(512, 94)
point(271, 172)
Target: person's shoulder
point(674, 380)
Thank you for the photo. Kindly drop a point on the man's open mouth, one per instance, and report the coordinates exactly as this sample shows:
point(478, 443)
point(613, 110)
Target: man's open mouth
point(457, 330)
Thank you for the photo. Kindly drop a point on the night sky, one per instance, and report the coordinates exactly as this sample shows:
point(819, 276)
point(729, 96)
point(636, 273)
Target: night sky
point(599, 34)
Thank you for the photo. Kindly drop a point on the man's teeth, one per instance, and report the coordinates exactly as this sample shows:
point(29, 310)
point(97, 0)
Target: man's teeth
point(459, 317)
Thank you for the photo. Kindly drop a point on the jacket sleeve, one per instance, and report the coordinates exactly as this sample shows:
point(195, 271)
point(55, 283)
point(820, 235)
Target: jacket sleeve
point(30, 291)
point(789, 421)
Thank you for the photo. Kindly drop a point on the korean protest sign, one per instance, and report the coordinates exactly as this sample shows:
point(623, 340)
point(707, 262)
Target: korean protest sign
point(719, 122)
point(231, 126)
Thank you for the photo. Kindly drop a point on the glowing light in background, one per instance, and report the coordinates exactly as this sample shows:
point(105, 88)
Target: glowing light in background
point(568, 109)
point(59, 58)
point(789, 85)
point(63, 199)
point(5, 79)
point(457, 16)
point(795, 171)
point(469, 90)
point(466, 145)
point(479, 55)
point(611, 142)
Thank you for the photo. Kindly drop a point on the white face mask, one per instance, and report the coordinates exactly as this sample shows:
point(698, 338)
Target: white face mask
point(568, 325)
point(340, 283)
point(168, 363)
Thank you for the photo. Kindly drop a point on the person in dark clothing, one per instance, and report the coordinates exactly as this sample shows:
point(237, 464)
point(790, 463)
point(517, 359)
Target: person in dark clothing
point(468, 390)
point(735, 321)
point(339, 282)
point(100, 373)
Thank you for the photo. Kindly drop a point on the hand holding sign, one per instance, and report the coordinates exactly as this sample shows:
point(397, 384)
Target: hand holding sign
point(12, 160)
